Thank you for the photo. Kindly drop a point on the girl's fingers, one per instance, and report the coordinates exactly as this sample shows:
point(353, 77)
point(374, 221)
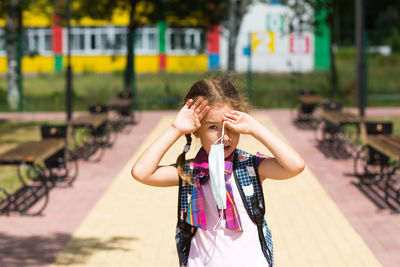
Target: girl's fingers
point(231, 117)
point(203, 112)
point(188, 103)
point(230, 125)
point(196, 104)
point(202, 105)
point(235, 112)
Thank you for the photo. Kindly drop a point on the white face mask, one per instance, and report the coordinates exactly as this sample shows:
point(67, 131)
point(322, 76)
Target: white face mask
point(216, 163)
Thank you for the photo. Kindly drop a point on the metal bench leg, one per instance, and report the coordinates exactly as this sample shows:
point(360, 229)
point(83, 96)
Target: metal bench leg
point(32, 198)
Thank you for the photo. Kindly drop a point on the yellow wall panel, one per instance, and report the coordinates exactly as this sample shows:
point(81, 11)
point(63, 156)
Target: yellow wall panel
point(3, 64)
point(147, 63)
point(38, 64)
point(109, 63)
point(186, 63)
point(97, 63)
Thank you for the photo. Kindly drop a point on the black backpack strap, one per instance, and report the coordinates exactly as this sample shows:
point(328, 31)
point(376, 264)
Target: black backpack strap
point(187, 231)
point(258, 207)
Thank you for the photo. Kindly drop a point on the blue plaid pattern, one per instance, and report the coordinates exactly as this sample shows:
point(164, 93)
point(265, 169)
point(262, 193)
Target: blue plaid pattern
point(245, 179)
point(243, 163)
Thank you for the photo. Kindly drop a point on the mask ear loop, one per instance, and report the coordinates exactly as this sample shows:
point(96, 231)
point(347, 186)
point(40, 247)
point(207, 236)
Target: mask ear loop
point(220, 215)
point(222, 135)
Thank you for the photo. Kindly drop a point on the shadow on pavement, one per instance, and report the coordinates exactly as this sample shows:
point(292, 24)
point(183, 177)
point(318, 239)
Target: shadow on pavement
point(39, 250)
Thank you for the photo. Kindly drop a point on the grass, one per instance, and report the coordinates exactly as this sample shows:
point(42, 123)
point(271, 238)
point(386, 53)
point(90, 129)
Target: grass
point(46, 92)
point(12, 134)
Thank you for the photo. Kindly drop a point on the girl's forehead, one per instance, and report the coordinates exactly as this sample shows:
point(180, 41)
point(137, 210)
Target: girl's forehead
point(217, 112)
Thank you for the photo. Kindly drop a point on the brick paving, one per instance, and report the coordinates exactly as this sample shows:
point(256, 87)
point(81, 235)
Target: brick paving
point(85, 224)
point(379, 228)
point(35, 241)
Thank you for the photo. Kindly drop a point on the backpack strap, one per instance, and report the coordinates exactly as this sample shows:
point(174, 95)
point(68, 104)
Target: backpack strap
point(186, 231)
point(256, 208)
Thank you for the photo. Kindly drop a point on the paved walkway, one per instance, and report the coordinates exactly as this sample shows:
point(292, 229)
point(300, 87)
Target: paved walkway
point(318, 218)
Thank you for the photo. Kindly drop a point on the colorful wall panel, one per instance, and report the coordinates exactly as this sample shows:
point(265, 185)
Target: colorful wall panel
point(187, 63)
point(38, 64)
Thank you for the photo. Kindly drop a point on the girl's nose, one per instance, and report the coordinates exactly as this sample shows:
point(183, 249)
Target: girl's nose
point(226, 136)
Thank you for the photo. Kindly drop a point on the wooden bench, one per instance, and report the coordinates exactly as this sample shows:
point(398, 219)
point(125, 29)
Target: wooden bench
point(92, 120)
point(123, 106)
point(387, 145)
point(32, 152)
point(91, 133)
point(310, 99)
point(338, 130)
point(308, 102)
point(378, 160)
point(35, 161)
point(340, 118)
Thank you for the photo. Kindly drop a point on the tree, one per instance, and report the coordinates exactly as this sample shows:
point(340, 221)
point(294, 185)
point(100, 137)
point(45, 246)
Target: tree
point(13, 32)
point(141, 12)
point(237, 9)
point(323, 12)
point(12, 11)
point(175, 12)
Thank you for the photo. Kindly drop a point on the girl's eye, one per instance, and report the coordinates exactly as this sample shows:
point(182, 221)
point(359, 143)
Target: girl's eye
point(212, 127)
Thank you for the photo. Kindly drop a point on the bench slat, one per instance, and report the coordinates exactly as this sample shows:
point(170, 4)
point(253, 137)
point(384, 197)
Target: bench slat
point(387, 145)
point(390, 141)
point(32, 151)
point(340, 117)
point(119, 103)
point(310, 99)
point(89, 120)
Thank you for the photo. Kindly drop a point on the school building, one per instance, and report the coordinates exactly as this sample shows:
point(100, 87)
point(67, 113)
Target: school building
point(265, 44)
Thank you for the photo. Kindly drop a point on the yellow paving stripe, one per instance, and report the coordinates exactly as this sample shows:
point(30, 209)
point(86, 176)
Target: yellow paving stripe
point(122, 229)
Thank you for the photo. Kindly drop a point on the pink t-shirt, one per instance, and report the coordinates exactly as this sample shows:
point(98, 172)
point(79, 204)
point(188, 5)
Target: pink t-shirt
point(219, 246)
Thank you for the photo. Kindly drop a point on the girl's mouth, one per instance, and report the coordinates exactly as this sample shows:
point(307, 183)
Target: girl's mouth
point(226, 147)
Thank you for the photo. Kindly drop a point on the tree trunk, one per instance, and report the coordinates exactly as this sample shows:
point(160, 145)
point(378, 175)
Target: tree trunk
point(232, 34)
point(12, 30)
point(237, 9)
point(130, 48)
point(333, 68)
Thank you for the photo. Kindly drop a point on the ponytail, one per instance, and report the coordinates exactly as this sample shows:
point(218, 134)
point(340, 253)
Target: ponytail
point(181, 161)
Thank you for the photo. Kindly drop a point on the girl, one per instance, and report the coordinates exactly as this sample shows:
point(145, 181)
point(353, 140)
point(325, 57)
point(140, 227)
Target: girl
point(219, 223)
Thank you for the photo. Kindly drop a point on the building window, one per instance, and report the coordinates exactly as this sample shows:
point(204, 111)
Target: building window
point(185, 41)
point(37, 41)
point(110, 40)
point(146, 41)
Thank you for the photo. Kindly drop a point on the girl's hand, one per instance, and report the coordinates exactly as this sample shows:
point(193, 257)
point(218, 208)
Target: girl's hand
point(239, 122)
point(189, 117)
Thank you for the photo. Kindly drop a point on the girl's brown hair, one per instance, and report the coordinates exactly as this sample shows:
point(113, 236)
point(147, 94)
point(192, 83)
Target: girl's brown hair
point(217, 92)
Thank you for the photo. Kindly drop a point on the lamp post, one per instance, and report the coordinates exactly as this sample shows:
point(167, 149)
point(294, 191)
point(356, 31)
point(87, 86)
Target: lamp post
point(361, 83)
point(69, 68)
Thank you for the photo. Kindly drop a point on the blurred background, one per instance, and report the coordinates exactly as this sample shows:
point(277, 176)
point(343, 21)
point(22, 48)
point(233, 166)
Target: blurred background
point(89, 51)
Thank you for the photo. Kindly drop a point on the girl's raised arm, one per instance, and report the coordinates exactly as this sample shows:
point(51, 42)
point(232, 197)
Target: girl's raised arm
point(286, 162)
point(146, 169)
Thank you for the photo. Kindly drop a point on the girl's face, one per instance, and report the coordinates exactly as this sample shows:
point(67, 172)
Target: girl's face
point(211, 130)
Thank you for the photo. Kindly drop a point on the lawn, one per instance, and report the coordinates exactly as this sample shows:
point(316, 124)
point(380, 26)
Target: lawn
point(46, 92)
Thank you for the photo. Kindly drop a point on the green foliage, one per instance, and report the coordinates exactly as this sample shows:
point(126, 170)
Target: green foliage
point(46, 92)
point(387, 25)
point(348, 51)
point(394, 41)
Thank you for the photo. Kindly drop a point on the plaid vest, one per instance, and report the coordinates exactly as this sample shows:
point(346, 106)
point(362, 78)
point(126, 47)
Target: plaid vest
point(250, 189)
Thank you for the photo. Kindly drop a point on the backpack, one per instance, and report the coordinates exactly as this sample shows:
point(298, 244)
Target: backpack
point(250, 189)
